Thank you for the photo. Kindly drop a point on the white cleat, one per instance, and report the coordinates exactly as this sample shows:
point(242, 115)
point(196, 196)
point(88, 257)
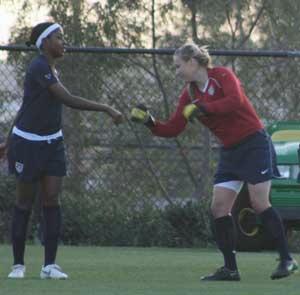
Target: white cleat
point(17, 271)
point(53, 271)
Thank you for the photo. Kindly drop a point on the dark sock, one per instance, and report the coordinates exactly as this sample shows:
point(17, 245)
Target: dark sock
point(18, 233)
point(226, 240)
point(52, 224)
point(273, 224)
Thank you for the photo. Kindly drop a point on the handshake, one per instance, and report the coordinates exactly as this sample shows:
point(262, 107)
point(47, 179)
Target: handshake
point(140, 114)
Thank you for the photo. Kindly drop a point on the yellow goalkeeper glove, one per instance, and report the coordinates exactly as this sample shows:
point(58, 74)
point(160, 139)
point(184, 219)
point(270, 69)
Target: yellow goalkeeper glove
point(192, 111)
point(140, 114)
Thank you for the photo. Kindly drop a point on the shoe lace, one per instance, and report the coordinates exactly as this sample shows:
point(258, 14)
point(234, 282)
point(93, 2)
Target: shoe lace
point(52, 266)
point(224, 269)
point(57, 267)
point(17, 267)
point(220, 270)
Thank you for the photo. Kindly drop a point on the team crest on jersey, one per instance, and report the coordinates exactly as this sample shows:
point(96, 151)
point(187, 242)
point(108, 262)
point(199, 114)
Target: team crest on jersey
point(48, 76)
point(19, 167)
point(211, 90)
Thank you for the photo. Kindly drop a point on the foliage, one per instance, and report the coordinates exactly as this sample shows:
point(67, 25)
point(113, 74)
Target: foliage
point(105, 220)
point(7, 188)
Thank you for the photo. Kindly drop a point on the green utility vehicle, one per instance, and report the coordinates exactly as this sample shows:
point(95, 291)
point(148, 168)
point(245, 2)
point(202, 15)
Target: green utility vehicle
point(285, 191)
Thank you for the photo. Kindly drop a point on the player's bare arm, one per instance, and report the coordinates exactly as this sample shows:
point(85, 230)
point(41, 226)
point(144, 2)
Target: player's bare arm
point(62, 93)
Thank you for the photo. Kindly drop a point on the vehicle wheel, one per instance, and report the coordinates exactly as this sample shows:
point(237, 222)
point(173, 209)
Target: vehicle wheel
point(249, 231)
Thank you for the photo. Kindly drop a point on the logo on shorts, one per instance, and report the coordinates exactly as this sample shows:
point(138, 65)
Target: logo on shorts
point(48, 76)
point(264, 171)
point(19, 167)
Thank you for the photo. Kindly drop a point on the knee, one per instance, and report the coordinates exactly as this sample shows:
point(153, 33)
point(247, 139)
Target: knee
point(50, 200)
point(219, 209)
point(260, 205)
point(213, 209)
point(259, 196)
point(24, 203)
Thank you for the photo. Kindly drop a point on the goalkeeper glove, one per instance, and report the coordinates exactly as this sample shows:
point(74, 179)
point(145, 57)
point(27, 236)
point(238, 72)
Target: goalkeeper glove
point(140, 114)
point(192, 111)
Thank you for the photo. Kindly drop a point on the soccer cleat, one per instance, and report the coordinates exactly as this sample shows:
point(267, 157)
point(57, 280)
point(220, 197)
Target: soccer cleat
point(53, 271)
point(223, 274)
point(284, 269)
point(17, 271)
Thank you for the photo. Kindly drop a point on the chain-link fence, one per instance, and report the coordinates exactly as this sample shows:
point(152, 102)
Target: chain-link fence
point(124, 186)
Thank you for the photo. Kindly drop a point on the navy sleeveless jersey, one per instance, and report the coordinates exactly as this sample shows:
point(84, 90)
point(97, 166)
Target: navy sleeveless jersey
point(40, 112)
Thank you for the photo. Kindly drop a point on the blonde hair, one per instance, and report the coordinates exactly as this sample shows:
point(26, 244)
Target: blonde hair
point(200, 54)
point(191, 50)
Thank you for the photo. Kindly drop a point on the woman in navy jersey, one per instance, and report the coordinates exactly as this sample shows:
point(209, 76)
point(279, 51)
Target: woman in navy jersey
point(35, 148)
point(215, 97)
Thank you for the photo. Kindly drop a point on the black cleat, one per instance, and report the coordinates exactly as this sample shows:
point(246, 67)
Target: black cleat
point(223, 274)
point(284, 269)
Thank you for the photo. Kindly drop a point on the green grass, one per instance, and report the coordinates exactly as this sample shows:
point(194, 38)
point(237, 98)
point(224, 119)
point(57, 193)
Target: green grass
point(143, 271)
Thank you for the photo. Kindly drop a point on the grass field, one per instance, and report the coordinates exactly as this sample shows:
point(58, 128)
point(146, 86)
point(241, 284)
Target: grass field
point(144, 271)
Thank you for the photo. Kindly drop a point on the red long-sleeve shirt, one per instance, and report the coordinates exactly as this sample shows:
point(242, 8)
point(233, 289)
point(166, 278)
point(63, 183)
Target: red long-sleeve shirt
point(230, 115)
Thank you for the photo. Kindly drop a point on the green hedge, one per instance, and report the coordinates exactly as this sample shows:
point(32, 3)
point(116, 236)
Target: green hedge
point(88, 221)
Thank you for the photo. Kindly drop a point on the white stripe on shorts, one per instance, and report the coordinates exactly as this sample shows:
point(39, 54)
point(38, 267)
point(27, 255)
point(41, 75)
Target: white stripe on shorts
point(36, 137)
point(235, 185)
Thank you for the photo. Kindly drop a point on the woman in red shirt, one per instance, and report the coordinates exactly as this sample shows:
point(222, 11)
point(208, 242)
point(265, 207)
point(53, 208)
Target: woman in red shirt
point(215, 97)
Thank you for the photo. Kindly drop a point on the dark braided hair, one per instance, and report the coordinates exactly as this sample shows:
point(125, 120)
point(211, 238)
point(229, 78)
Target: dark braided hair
point(37, 31)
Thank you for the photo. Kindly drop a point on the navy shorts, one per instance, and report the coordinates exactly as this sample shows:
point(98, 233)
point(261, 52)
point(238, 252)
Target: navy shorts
point(30, 160)
point(253, 160)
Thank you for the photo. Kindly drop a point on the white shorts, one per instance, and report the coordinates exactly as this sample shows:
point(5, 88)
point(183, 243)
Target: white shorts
point(235, 185)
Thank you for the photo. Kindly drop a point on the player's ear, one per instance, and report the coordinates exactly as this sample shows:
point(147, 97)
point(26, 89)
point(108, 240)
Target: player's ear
point(45, 42)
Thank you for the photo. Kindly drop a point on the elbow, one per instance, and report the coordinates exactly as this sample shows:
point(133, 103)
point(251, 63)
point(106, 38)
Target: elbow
point(168, 130)
point(68, 104)
point(174, 134)
point(71, 105)
point(68, 101)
